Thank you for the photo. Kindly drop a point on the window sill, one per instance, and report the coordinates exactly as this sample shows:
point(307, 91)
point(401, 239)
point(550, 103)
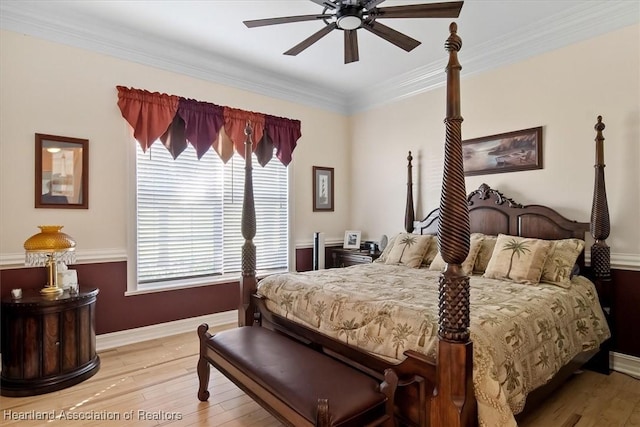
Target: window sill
point(196, 283)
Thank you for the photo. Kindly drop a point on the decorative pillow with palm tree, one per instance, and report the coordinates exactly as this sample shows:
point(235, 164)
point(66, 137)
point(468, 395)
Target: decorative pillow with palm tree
point(431, 253)
point(562, 257)
point(409, 249)
point(518, 259)
point(484, 254)
point(387, 250)
point(475, 243)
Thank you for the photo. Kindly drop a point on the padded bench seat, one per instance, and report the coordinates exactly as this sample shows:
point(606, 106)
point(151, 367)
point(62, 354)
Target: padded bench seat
point(297, 384)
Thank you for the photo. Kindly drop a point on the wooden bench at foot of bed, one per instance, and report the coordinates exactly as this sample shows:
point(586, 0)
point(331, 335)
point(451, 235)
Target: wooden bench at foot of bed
point(298, 385)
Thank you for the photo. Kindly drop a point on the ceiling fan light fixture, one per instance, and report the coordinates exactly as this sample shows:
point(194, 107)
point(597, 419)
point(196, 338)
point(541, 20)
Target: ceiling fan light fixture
point(349, 22)
point(351, 15)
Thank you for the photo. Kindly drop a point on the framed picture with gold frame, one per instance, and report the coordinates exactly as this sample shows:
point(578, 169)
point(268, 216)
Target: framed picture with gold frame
point(61, 172)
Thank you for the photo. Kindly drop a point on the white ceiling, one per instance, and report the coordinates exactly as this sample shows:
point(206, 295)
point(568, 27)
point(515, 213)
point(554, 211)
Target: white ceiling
point(207, 39)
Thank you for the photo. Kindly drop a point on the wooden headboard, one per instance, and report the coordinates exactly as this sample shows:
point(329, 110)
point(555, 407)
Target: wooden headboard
point(490, 212)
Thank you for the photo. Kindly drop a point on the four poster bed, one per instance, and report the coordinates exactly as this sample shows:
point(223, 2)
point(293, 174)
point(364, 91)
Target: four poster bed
point(467, 348)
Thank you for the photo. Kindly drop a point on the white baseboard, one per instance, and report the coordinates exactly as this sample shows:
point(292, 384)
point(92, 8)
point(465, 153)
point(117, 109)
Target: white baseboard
point(620, 362)
point(626, 364)
point(135, 335)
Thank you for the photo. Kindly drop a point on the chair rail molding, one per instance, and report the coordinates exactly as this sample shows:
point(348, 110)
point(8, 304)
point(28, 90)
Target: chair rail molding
point(86, 256)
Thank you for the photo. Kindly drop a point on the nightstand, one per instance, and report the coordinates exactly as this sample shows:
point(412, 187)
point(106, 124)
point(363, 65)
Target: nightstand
point(345, 257)
point(47, 343)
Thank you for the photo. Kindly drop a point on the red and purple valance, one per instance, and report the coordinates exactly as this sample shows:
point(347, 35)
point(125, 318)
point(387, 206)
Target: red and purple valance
point(178, 121)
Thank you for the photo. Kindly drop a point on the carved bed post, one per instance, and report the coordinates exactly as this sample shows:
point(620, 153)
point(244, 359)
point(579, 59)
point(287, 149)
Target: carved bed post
point(454, 402)
point(600, 228)
point(600, 251)
point(248, 278)
point(409, 213)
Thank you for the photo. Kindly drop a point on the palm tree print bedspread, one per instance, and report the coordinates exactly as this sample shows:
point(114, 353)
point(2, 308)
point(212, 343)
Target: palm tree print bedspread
point(522, 334)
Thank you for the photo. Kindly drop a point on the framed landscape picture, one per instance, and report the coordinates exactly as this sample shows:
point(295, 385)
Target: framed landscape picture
point(506, 152)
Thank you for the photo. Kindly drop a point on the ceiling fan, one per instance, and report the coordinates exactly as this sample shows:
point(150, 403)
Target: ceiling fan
point(351, 15)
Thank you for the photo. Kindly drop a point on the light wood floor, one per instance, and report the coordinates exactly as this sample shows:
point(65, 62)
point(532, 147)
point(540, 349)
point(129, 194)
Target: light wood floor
point(155, 383)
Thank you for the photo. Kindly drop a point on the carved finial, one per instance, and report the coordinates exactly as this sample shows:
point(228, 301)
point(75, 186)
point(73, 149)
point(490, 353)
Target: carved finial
point(409, 212)
point(247, 129)
point(599, 127)
point(454, 42)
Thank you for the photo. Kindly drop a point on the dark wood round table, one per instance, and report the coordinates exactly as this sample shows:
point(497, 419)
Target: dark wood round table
point(47, 343)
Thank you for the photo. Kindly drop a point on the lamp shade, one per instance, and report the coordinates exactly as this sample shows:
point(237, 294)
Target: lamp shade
point(50, 240)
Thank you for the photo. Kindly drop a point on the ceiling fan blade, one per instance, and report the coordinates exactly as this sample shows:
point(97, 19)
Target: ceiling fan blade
point(392, 36)
point(370, 4)
point(284, 20)
point(430, 10)
point(326, 3)
point(311, 40)
point(351, 46)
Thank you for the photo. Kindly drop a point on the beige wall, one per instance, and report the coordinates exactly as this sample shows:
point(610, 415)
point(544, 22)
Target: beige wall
point(563, 91)
point(55, 89)
point(60, 90)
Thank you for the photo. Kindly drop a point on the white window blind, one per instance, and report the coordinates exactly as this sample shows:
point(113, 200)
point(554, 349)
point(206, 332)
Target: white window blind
point(189, 214)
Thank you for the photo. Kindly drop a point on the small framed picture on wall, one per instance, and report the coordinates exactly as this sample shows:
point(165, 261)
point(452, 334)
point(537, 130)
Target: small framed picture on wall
point(322, 189)
point(62, 172)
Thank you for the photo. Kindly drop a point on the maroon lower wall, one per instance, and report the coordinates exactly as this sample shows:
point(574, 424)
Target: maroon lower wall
point(304, 258)
point(116, 312)
point(626, 311)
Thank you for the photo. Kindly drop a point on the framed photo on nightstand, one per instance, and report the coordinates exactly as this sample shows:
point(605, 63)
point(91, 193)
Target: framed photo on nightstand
point(351, 239)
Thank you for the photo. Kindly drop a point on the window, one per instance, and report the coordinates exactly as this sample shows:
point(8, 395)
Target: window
point(188, 217)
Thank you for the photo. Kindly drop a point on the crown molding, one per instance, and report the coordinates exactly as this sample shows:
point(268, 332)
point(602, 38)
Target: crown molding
point(586, 20)
point(98, 36)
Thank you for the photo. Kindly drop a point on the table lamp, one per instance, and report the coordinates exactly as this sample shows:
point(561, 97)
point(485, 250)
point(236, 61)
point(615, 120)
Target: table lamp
point(47, 249)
